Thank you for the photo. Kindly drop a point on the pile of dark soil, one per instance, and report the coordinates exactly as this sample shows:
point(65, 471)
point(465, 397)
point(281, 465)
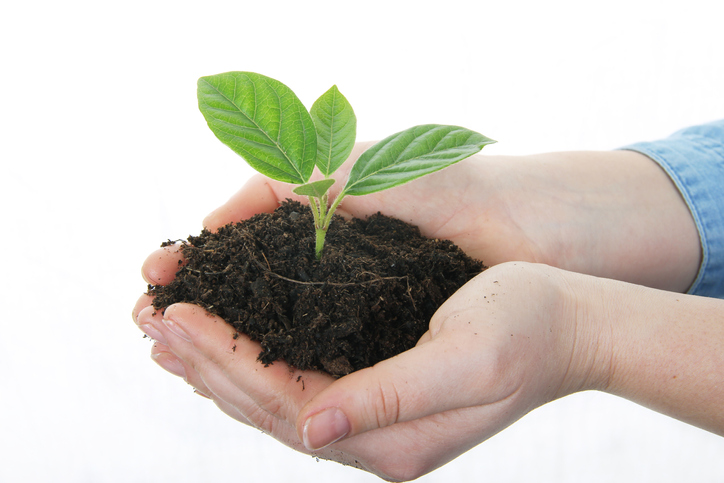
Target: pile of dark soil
point(370, 297)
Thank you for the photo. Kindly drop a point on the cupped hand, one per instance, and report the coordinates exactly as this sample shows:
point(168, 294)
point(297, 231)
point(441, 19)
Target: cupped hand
point(610, 214)
point(500, 347)
point(457, 204)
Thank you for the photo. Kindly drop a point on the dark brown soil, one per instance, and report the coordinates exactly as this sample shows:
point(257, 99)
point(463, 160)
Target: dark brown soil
point(370, 297)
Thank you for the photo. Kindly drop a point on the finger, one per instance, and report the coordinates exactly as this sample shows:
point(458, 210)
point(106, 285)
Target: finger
point(148, 320)
point(160, 267)
point(256, 196)
point(205, 375)
point(277, 389)
point(219, 386)
point(179, 348)
point(142, 302)
point(212, 384)
point(209, 379)
point(162, 356)
point(232, 412)
point(255, 417)
point(444, 374)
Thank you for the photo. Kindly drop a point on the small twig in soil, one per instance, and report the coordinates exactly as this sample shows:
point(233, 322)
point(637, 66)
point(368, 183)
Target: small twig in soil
point(409, 294)
point(208, 273)
point(222, 272)
point(267, 261)
point(335, 284)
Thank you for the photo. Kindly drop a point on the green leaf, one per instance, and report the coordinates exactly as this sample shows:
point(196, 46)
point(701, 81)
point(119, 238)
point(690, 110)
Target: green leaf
point(315, 188)
point(411, 154)
point(336, 130)
point(263, 121)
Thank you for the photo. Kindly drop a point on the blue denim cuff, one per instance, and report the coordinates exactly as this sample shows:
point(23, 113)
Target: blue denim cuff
point(694, 159)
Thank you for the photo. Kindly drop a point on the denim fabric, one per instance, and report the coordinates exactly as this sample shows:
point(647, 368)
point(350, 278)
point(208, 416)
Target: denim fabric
point(694, 159)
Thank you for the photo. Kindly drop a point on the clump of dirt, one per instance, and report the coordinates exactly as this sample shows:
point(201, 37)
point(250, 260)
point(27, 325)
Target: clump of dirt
point(370, 297)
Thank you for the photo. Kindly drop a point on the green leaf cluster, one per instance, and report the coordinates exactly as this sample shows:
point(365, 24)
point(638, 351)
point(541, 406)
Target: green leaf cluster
point(264, 122)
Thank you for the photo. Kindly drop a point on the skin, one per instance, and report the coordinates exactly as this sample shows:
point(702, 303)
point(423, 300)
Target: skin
point(566, 307)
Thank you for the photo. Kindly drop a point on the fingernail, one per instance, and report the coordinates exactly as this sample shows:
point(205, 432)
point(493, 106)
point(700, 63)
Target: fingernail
point(324, 428)
point(170, 362)
point(173, 326)
point(153, 333)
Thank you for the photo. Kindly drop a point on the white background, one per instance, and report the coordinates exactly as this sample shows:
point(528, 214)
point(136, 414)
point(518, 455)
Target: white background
point(100, 131)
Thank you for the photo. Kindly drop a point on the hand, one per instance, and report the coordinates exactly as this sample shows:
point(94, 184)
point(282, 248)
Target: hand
point(609, 214)
point(497, 349)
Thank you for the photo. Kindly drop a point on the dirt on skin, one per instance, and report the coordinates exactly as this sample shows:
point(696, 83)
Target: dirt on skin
point(370, 297)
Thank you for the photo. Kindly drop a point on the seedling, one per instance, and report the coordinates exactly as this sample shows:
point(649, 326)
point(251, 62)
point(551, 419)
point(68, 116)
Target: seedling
point(264, 122)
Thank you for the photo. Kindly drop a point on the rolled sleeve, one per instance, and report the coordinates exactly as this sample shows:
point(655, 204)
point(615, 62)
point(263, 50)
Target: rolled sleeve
point(694, 159)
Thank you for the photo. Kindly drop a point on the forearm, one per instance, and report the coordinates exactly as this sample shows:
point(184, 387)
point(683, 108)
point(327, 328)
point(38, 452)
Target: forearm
point(666, 350)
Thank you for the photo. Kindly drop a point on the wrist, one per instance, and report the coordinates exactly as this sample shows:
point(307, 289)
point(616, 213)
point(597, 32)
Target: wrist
point(588, 347)
point(610, 214)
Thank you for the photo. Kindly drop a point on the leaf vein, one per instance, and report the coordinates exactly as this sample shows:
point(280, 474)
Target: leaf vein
point(253, 120)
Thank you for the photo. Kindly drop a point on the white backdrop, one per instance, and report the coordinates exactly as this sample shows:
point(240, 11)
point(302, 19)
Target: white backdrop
point(100, 129)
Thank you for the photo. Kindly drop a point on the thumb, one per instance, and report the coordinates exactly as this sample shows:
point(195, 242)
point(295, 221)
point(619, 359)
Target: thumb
point(441, 374)
point(256, 196)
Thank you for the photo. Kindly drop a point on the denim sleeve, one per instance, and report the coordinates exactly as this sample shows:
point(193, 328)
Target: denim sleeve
point(694, 159)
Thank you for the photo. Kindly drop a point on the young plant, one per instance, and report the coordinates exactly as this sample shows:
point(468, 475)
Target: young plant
point(264, 122)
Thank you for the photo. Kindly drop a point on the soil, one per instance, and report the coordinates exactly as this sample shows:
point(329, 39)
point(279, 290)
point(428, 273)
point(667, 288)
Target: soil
point(370, 297)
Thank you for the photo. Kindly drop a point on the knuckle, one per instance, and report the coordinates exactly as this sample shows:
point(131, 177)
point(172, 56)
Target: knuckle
point(385, 407)
point(280, 406)
point(260, 419)
point(271, 404)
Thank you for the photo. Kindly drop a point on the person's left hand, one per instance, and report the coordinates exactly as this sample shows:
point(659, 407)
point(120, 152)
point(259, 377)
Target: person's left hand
point(498, 348)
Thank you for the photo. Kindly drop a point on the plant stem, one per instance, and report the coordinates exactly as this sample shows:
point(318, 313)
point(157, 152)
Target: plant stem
point(322, 218)
point(332, 209)
point(321, 234)
point(319, 211)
